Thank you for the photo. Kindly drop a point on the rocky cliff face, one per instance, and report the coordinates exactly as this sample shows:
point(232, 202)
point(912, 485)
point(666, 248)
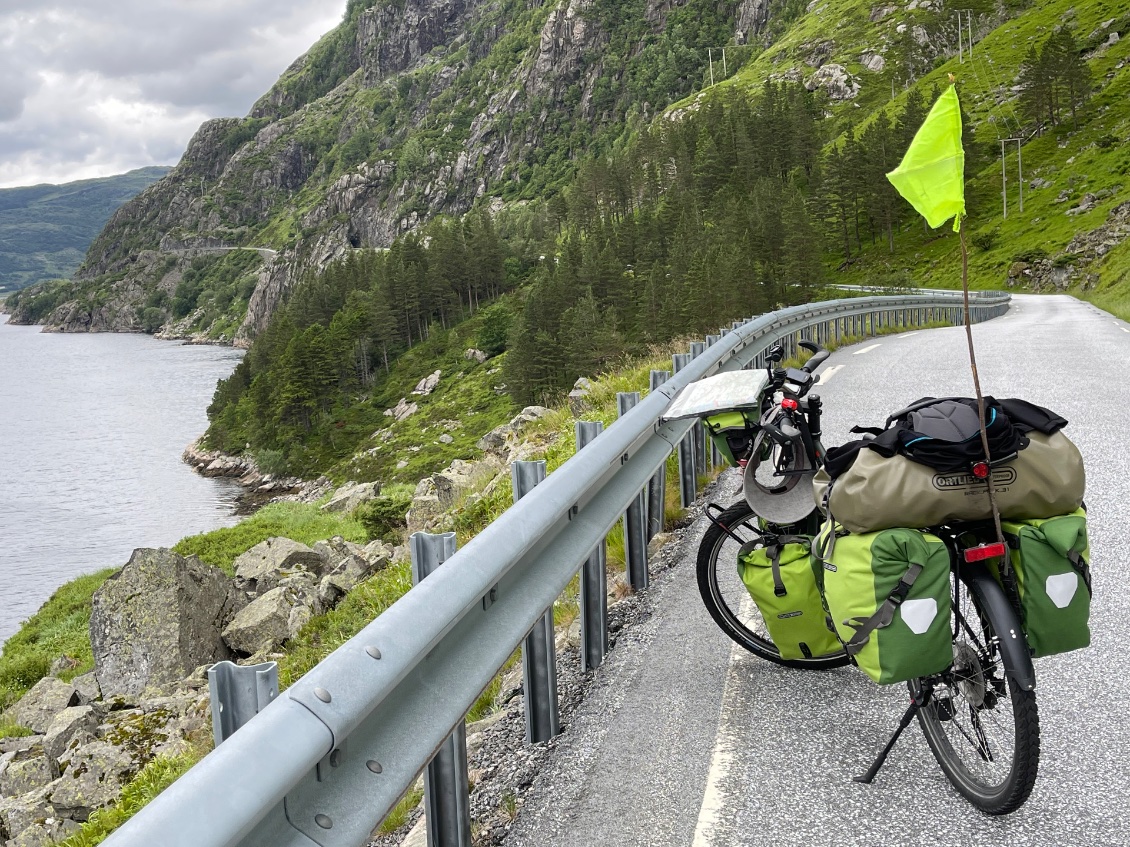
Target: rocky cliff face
point(409, 110)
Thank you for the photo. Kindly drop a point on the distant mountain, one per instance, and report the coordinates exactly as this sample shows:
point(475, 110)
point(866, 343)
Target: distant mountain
point(45, 230)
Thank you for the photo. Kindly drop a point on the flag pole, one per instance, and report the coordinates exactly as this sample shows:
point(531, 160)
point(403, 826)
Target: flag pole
point(977, 380)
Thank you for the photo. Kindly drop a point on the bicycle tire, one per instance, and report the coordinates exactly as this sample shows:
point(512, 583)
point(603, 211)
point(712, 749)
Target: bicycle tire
point(977, 695)
point(726, 598)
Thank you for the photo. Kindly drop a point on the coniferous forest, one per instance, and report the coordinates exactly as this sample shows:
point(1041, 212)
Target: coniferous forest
point(725, 212)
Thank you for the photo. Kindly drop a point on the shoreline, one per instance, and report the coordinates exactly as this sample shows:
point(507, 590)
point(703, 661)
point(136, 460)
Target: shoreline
point(259, 488)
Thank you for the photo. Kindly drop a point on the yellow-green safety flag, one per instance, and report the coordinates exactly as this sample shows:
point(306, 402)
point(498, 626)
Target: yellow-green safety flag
point(932, 174)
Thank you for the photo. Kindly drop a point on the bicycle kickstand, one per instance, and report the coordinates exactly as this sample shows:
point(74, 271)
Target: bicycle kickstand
point(920, 700)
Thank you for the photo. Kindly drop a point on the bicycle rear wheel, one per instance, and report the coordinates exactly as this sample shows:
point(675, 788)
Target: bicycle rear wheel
point(726, 597)
point(982, 727)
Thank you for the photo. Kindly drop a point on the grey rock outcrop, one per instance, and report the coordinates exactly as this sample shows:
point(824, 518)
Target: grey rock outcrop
point(158, 618)
point(473, 354)
point(836, 82)
point(46, 833)
point(351, 495)
point(269, 562)
point(87, 688)
point(43, 701)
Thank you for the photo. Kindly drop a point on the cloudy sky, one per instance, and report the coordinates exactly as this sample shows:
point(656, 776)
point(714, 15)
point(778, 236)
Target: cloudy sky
point(97, 87)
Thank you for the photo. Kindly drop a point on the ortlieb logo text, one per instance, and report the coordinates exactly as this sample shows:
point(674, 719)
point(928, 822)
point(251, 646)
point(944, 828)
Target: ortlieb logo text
point(1002, 477)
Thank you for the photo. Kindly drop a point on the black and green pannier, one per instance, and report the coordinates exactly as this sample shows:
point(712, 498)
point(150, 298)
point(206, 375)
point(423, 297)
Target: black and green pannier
point(888, 595)
point(781, 581)
point(1050, 559)
point(732, 432)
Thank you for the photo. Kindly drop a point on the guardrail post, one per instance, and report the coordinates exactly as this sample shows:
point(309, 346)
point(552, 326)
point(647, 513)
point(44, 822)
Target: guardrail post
point(594, 577)
point(635, 519)
point(238, 693)
point(657, 488)
point(446, 789)
point(687, 473)
point(539, 653)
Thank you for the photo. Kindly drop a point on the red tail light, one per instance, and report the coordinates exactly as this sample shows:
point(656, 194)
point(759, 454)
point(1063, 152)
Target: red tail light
point(789, 403)
point(985, 551)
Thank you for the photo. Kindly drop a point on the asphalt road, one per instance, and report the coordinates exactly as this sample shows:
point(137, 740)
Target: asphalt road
point(685, 742)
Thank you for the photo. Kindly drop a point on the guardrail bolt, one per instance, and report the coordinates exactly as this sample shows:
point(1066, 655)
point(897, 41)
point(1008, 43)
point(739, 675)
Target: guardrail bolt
point(322, 695)
point(323, 821)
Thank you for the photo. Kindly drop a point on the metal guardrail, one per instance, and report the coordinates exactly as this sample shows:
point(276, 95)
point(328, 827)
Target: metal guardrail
point(325, 761)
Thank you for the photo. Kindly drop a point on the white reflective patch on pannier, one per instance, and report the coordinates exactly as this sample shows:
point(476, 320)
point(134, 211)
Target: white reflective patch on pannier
point(1061, 587)
point(919, 614)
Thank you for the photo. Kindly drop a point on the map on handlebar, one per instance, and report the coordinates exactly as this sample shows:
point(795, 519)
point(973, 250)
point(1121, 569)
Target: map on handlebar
point(721, 392)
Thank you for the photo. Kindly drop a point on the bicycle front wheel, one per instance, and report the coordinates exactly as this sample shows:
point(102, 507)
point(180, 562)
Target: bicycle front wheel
point(726, 597)
point(982, 727)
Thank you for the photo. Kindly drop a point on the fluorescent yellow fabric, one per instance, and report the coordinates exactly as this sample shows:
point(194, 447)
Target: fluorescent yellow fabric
point(932, 174)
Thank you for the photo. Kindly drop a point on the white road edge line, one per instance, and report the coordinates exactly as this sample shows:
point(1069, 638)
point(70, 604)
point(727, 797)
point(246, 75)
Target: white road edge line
point(828, 373)
point(907, 334)
point(727, 740)
point(1124, 329)
point(866, 349)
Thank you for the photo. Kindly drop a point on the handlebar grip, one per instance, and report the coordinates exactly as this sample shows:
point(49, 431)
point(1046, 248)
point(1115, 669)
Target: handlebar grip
point(816, 361)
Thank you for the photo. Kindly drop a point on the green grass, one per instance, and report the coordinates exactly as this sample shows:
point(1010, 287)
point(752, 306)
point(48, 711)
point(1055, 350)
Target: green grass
point(61, 627)
point(302, 522)
point(400, 813)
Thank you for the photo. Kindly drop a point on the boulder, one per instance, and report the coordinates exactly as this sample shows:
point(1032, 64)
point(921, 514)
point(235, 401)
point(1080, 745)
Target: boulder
point(835, 80)
point(19, 813)
point(455, 485)
point(472, 354)
point(68, 724)
point(402, 410)
point(502, 440)
point(351, 495)
point(446, 439)
point(23, 775)
point(50, 831)
point(428, 384)
point(93, 778)
point(158, 618)
point(43, 701)
point(267, 563)
point(275, 617)
point(86, 686)
point(579, 396)
point(873, 62)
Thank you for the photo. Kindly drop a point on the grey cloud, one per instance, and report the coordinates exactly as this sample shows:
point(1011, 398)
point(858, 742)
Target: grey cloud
point(94, 86)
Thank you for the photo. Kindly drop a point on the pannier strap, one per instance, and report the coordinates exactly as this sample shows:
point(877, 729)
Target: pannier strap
point(884, 616)
point(774, 550)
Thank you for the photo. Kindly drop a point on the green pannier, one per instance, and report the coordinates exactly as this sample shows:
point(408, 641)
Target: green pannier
point(1050, 559)
point(781, 581)
point(732, 432)
point(888, 594)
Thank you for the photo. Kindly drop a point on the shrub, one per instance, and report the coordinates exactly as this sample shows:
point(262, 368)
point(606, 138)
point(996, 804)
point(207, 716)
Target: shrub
point(986, 240)
point(384, 517)
point(1034, 254)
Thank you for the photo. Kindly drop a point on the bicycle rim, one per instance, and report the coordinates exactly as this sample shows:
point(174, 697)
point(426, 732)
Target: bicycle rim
point(726, 597)
point(982, 728)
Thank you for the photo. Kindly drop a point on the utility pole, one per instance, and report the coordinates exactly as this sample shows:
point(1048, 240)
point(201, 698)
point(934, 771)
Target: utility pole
point(964, 28)
point(710, 60)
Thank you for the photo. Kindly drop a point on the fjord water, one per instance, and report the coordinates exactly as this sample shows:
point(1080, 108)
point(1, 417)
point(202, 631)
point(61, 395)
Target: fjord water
point(92, 427)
